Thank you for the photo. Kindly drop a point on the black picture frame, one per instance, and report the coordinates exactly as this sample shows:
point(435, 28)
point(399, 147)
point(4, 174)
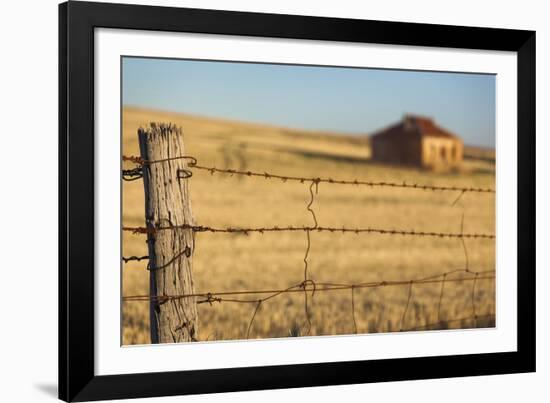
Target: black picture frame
point(77, 379)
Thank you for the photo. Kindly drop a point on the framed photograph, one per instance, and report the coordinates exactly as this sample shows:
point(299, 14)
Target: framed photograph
point(258, 201)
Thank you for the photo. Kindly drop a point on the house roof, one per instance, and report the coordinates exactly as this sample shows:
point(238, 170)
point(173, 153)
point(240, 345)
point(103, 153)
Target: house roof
point(416, 125)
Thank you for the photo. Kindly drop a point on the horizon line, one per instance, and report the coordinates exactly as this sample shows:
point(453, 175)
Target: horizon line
point(281, 127)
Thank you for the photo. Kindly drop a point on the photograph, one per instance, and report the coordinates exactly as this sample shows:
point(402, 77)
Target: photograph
point(265, 200)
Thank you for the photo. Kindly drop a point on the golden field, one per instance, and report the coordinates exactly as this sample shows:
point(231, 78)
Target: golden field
point(228, 262)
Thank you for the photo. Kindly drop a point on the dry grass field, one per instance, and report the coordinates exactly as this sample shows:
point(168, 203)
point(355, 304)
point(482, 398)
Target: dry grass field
point(224, 262)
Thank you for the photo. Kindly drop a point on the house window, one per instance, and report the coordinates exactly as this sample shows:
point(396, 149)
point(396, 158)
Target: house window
point(443, 152)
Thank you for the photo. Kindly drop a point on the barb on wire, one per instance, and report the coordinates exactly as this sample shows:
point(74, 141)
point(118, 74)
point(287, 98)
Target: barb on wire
point(134, 258)
point(133, 174)
point(134, 159)
point(209, 299)
point(193, 163)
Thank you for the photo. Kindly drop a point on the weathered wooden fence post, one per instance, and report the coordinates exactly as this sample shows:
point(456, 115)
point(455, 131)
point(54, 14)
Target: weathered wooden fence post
point(170, 251)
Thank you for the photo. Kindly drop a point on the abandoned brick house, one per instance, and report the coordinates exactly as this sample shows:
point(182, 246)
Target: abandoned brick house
point(417, 141)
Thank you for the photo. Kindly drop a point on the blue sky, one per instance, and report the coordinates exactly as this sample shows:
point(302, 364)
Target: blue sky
point(350, 100)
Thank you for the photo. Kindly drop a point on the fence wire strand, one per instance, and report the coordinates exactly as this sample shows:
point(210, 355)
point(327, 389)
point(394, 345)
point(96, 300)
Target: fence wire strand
point(318, 286)
point(240, 296)
point(262, 230)
point(193, 164)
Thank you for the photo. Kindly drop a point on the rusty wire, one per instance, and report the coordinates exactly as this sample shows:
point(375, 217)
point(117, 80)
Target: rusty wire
point(262, 230)
point(133, 174)
point(193, 163)
point(306, 255)
point(240, 296)
point(134, 258)
point(219, 296)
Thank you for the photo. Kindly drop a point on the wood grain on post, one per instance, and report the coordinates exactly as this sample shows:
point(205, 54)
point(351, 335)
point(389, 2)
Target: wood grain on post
point(170, 252)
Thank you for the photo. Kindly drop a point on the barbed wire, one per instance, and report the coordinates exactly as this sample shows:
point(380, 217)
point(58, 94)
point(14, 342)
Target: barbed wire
point(133, 174)
point(315, 287)
point(193, 163)
point(262, 230)
point(134, 258)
